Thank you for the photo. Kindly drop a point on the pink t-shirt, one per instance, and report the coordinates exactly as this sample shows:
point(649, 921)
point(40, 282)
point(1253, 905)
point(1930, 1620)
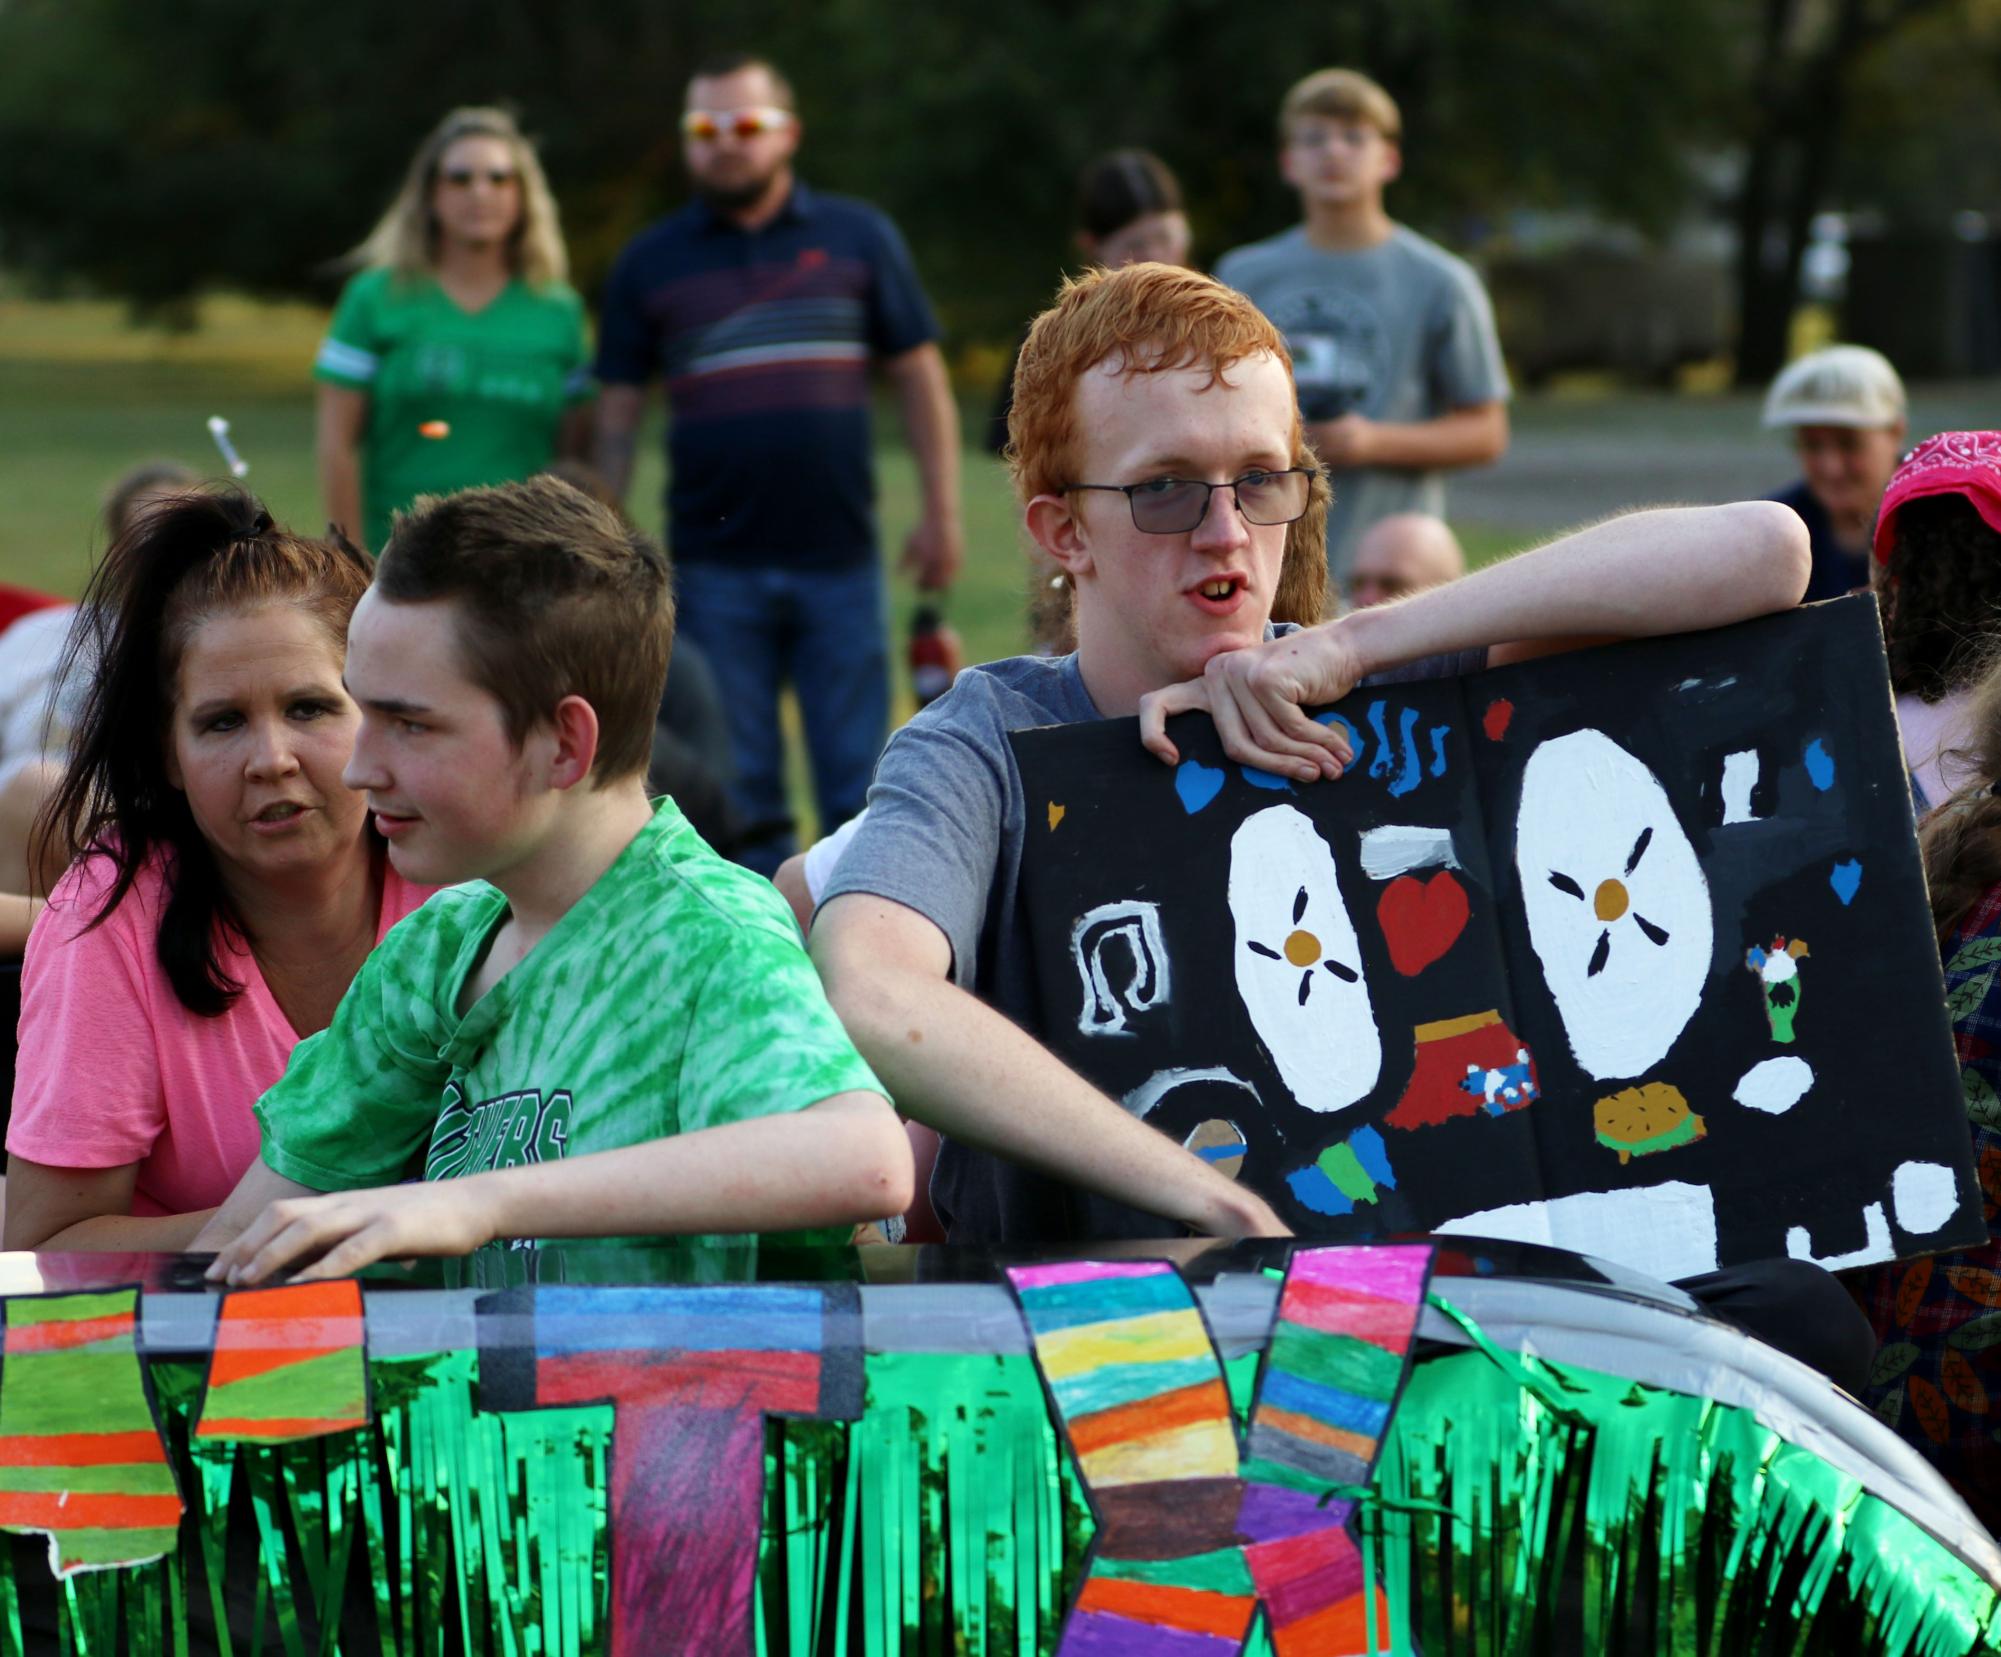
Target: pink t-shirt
point(113, 1069)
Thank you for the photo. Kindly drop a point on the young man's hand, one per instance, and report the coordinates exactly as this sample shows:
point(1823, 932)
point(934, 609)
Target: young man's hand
point(339, 1233)
point(1344, 443)
point(1252, 1216)
point(934, 552)
point(1257, 696)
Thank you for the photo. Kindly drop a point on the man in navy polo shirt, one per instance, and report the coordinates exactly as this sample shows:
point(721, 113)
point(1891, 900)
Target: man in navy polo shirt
point(762, 305)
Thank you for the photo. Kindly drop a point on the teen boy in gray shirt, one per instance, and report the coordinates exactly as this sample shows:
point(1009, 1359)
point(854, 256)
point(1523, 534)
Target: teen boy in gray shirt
point(1171, 385)
point(1393, 345)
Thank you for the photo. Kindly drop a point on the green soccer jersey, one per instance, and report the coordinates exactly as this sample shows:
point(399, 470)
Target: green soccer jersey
point(455, 398)
point(674, 996)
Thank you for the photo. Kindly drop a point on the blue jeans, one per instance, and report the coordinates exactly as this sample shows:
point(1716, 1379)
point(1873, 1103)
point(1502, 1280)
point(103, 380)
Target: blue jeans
point(823, 631)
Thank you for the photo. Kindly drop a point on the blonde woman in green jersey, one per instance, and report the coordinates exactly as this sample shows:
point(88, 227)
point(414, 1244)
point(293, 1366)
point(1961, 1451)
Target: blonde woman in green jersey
point(456, 356)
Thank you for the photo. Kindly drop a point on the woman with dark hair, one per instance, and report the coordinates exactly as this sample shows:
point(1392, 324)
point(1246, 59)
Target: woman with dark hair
point(456, 357)
point(229, 885)
point(1128, 211)
point(1937, 548)
point(1937, 1380)
point(34, 722)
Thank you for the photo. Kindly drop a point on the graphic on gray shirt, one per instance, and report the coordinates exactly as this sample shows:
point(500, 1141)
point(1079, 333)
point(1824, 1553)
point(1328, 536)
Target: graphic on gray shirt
point(1401, 331)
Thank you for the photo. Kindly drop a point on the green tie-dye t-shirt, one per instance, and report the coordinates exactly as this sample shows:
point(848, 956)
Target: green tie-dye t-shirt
point(674, 996)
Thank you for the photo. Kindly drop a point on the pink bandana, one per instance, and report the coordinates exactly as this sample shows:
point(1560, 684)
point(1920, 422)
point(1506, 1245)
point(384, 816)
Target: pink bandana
point(1952, 463)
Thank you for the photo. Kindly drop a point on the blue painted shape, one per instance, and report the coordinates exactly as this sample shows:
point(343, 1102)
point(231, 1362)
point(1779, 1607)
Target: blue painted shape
point(1197, 784)
point(1820, 766)
point(1385, 760)
point(765, 1317)
point(1373, 1155)
point(1116, 1384)
point(1313, 1189)
point(1845, 878)
point(1438, 735)
point(1101, 1300)
point(1265, 779)
point(1355, 741)
point(1412, 772)
point(1515, 1080)
point(1337, 1408)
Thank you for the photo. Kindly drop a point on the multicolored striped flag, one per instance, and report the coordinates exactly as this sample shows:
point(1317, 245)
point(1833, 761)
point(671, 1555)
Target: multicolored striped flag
point(289, 1363)
point(80, 1451)
point(1192, 1537)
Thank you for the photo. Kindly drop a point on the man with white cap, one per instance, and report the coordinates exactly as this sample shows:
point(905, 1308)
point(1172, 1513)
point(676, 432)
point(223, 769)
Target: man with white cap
point(1844, 405)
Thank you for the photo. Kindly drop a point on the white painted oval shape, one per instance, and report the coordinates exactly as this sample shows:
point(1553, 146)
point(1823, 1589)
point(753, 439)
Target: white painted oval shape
point(1774, 1086)
point(1328, 1051)
point(1924, 1195)
point(1585, 804)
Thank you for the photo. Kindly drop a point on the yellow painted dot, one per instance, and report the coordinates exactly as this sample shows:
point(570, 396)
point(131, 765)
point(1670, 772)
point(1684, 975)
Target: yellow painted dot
point(1055, 815)
point(1610, 900)
point(1302, 949)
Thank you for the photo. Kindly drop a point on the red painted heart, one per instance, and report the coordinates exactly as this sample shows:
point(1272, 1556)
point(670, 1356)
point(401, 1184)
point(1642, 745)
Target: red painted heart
point(1422, 919)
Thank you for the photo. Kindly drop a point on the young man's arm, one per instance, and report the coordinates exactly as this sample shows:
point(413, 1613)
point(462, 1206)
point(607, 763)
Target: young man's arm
point(1475, 435)
point(936, 547)
point(619, 409)
point(259, 1188)
point(954, 1063)
point(839, 1161)
point(1674, 570)
point(341, 420)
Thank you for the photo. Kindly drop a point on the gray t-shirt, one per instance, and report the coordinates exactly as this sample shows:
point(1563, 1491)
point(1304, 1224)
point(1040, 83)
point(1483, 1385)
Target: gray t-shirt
point(943, 835)
point(1400, 331)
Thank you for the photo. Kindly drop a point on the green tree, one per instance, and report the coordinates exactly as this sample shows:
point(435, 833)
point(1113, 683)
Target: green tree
point(157, 147)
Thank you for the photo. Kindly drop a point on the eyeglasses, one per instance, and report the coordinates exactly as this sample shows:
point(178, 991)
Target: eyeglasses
point(1173, 506)
point(709, 124)
point(461, 178)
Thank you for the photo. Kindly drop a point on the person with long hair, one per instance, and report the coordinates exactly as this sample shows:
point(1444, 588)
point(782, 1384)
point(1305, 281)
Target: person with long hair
point(228, 888)
point(1937, 547)
point(457, 355)
point(1128, 210)
point(1937, 1380)
point(34, 723)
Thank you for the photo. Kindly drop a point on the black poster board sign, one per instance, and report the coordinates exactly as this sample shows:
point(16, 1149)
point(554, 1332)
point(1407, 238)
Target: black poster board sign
point(1625, 950)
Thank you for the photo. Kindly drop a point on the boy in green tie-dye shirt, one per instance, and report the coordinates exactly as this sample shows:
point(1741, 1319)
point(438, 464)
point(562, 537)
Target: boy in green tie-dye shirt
point(602, 1029)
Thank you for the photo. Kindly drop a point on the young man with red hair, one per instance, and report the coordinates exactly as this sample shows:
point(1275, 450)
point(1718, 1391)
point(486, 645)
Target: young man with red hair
point(1159, 457)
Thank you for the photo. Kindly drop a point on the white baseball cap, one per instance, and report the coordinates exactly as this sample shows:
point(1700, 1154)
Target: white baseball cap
point(1839, 385)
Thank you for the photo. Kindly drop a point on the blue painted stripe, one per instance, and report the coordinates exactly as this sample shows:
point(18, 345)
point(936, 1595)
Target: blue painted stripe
point(1312, 1188)
point(1107, 1300)
point(765, 1317)
point(1327, 1404)
point(1413, 768)
point(1115, 1384)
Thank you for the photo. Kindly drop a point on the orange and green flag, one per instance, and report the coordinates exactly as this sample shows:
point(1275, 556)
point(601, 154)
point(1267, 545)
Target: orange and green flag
point(80, 1451)
point(289, 1363)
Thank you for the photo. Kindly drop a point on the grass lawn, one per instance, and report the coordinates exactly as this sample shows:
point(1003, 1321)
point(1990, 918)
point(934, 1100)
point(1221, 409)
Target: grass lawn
point(83, 396)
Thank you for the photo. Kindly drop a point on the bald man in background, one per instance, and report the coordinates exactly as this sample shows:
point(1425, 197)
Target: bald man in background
point(1403, 553)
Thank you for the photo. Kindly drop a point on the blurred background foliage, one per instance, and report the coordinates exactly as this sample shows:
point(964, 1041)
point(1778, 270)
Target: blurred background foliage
point(157, 150)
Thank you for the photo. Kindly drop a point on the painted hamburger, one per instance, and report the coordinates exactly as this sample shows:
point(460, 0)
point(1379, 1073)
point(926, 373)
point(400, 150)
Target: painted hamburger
point(1640, 1121)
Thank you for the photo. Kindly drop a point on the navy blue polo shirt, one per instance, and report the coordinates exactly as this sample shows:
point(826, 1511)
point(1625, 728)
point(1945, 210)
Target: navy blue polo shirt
point(764, 338)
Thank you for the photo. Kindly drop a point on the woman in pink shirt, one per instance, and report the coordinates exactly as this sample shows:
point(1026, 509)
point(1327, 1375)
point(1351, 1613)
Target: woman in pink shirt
point(230, 888)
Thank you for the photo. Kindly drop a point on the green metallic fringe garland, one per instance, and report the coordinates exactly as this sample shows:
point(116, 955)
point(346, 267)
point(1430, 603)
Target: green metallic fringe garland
point(1595, 1514)
point(1520, 1508)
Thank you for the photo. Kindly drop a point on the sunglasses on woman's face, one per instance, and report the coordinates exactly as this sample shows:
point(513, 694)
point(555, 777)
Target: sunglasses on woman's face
point(462, 178)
